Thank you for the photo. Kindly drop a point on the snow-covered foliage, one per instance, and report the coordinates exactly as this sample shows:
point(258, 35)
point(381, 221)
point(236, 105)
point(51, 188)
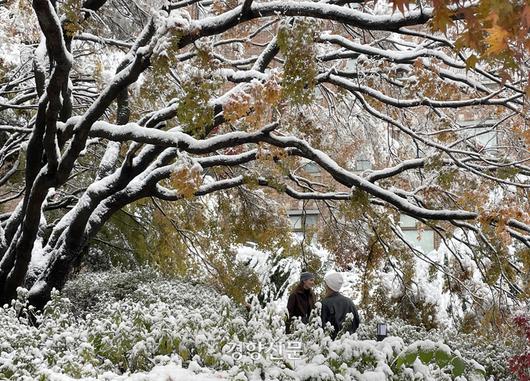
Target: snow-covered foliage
point(117, 116)
point(140, 326)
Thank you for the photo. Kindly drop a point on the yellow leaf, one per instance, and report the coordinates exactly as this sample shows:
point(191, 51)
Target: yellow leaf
point(497, 39)
point(471, 61)
point(186, 181)
point(442, 18)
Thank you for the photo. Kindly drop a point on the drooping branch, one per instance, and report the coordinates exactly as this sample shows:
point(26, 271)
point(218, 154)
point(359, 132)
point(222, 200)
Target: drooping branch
point(186, 143)
point(102, 40)
point(406, 103)
point(451, 152)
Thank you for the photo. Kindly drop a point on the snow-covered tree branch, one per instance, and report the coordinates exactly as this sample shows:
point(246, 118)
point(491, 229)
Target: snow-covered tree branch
point(190, 98)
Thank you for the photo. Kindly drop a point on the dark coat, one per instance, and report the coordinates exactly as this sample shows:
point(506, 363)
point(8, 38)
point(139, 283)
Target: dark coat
point(335, 307)
point(300, 304)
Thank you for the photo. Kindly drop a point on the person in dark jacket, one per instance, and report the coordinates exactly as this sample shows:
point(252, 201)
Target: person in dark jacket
point(302, 300)
point(336, 306)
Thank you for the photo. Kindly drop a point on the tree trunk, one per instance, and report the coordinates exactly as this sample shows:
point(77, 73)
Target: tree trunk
point(54, 276)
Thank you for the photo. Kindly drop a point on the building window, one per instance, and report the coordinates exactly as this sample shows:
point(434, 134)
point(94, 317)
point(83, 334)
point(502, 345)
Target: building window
point(482, 133)
point(362, 164)
point(417, 235)
point(301, 220)
point(485, 137)
point(311, 167)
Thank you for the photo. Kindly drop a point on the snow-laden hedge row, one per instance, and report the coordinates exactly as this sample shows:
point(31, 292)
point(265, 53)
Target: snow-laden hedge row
point(160, 326)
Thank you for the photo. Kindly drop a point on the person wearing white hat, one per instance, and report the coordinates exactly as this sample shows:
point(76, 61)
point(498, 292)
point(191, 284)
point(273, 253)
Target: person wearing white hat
point(336, 307)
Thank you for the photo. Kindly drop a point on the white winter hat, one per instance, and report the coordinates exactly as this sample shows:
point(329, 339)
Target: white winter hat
point(334, 281)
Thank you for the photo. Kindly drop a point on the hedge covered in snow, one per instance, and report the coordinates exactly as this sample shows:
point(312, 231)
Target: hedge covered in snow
point(138, 326)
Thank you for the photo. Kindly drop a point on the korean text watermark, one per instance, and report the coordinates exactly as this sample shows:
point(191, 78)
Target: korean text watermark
point(291, 350)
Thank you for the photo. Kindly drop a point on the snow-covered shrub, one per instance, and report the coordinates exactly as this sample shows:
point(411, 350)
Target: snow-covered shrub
point(491, 352)
point(166, 323)
point(89, 290)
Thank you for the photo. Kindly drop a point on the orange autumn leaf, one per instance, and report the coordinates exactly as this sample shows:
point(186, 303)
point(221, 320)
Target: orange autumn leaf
point(401, 5)
point(525, 27)
point(525, 17)
point(442, 17)
point(497, 39)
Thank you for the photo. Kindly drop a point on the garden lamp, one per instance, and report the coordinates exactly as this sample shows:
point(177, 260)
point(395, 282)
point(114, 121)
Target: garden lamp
point(381, 331)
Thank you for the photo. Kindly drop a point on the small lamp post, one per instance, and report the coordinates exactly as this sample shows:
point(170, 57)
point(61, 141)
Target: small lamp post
point(382, 331)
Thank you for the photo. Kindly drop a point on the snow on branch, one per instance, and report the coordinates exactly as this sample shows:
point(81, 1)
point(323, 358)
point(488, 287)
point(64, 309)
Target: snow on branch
point(172, 195)
point(267, 55)
point(24, 130)
point(376, 175)
point(350, 179)
point(518, 225)
point(525, 239)
point(293, 193)
point(185, 142)
point(134, 63)
point(394, 22)
point(238, 76)
point(101, 40)
point(395, 56)
point(228, 160)
point(402, 103)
